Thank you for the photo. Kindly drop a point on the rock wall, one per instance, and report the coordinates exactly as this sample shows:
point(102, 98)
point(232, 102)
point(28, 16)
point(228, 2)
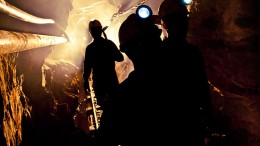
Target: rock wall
point(227, 31)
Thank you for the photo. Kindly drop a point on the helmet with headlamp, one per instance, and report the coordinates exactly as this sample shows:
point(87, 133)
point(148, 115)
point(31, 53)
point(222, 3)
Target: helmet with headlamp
point(174, 7)
point(136, 27)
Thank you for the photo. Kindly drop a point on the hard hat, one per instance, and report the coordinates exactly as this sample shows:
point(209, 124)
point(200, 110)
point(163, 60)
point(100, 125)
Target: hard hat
point(133, 28)
point(135, 31)
point(172, 7)
point(136, 24)
point(94, 24)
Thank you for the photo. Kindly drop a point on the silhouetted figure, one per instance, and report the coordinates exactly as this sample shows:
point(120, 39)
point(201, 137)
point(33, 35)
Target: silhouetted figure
point(100, 57)
point(133, 116)
point(189, 84)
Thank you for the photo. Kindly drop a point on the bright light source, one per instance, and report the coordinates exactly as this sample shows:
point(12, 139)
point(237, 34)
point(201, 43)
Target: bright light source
point(92, 19)
point(187, 2)
point(144, 11)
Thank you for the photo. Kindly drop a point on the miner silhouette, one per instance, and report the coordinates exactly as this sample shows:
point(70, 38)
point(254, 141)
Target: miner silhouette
point(135, 115)
point(192, 92)
point(100, 57)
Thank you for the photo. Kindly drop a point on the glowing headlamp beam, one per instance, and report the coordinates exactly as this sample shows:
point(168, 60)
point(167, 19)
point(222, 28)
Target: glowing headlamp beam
point(11, 42)
point(144, 11)
point(187, 2)
point(21, 15)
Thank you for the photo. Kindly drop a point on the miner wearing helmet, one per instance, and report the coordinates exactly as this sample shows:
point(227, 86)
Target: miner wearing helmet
point(174, 16)
point(192, 91)
point(135, 35)
point(132, 117)
point(95, 28)
point(100, 57)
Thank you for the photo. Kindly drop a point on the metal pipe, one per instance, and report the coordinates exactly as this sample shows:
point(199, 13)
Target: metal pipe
point(11, 41)
point(17, 13)
point(22, 15)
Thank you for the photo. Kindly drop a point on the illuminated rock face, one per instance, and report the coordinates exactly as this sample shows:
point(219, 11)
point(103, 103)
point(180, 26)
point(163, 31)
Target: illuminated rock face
point(225, 30)
point(29, 64)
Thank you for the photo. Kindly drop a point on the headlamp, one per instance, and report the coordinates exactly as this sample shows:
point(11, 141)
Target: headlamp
point(144, 12)
point(187, 2)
